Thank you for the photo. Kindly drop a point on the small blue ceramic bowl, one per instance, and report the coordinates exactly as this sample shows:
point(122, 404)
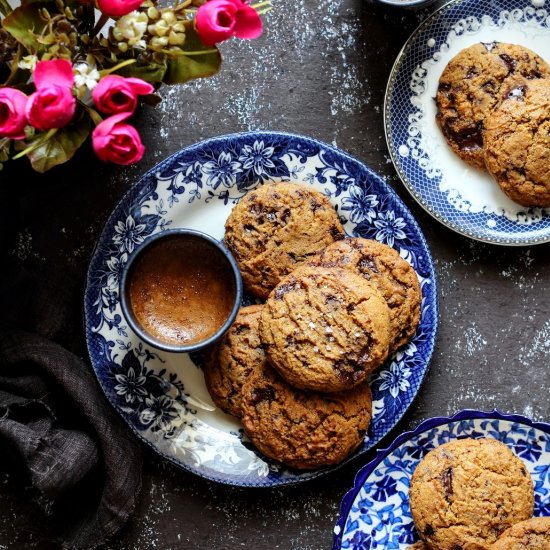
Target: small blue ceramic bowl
point(180, 282)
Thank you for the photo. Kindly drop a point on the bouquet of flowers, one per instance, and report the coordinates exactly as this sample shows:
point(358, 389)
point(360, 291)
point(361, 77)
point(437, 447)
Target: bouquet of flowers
point(71, 68)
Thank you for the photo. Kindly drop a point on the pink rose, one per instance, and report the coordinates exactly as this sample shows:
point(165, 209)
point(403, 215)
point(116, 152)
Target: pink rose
point(115, 141)
point(116, 94)
point(53, 104)
point(219, 20)
point(117, 8)
point(12, 113)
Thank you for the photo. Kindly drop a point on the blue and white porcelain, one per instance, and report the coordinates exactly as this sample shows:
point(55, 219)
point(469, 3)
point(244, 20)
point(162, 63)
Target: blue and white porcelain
point(461, 197)
point(161, 395)
point(375, 513)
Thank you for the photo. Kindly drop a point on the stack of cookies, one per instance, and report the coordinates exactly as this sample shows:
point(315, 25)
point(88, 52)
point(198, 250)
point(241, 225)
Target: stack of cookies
point(475, 494)
point(493, 107)
point(295, 368)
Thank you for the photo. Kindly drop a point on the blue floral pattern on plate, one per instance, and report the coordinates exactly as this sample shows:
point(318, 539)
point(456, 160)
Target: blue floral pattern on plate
point(161, 395)
point(375, 513)
point(463, 198)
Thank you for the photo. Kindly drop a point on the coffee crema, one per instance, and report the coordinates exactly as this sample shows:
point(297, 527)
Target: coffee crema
point(181, 290)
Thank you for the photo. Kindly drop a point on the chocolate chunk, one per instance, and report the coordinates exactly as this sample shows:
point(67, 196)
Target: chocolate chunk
point(263, 394)
point(367, 262)
point(509, 61)
point(447, 482)
point(429, 531)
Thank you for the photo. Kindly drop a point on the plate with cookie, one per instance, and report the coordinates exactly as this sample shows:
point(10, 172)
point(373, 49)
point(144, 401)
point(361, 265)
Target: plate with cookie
point(337, 324)
point(475, 480)
point(467, 121)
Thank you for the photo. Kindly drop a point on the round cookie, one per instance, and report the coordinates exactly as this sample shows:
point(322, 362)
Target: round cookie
point(325, 329)
point(304, 430)
point(470, 87)
point(465, 493)
point(418, 546)
point(395, 279)
point(531, 534)
point(517, 142)
point(275, 228)
point(233, 358)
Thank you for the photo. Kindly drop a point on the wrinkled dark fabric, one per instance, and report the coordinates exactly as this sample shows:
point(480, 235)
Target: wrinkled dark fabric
point(80, 459)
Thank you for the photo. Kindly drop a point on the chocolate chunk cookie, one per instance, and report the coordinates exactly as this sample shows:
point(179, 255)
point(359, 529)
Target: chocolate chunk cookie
point(531, 534)
point(325, 329)
point(466, 493)
point(470, 88)
point(304, 430)
point(277, 227)
point(394, 278)
point(233, 358)
point(517, 142)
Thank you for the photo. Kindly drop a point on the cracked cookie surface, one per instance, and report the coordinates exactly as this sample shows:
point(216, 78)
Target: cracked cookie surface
point(466, 493)
point(395, 279)
point(517, 142)
point(304, 430)
point(531, 534)
point(470, 88)
point(325, 329)
point(233, 358)
point(275, 228)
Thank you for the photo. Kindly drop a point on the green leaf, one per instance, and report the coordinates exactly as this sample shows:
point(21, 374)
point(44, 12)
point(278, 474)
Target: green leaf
point(59, 148)
point(23, 23)
point(18, 78)
point(182, 68)
point(153, 72)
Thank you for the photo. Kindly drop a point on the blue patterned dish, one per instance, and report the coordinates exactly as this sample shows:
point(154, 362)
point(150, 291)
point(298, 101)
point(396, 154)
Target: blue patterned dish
point(375, 514)
point(161, 395)
point(461, 197)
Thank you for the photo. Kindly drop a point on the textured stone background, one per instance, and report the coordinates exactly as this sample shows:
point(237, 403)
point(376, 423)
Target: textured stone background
point(320, 69)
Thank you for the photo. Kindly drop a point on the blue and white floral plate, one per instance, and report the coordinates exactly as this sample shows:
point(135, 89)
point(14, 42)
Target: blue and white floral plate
point(162, 396)
point(375, 514)
point(461, 197)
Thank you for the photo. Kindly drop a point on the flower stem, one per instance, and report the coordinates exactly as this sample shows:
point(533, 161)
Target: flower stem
point(199, 52)
point(36, 143)
point(261, 4)
point(105, 72)
point(100, 23)
point(5, 8)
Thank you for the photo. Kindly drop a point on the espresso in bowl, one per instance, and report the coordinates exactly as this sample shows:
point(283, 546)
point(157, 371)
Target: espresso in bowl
point(181, 290)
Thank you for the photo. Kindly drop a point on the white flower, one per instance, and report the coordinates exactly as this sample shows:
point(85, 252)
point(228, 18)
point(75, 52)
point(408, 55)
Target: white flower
point(86, 76)
point(28, 62)
point(131, 28)
point(395, 379)
point(128, 234)
point(389, 228)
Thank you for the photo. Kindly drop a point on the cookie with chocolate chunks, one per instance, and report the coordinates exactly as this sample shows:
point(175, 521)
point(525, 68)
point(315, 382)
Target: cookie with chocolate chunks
point(277, 227)
point(325, 328)
point(470, 88)
point(233, 358)
point(531, 534)
point(517, 142)
point(394, 277)
point(466, 493)
point(304, 430)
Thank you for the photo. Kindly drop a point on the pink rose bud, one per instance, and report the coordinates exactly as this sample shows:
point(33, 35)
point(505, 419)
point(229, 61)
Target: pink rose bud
point(116, 141)
point(116, 94)
point(219, 20)
point(51, 107)
point(53, 104)
point(12, 113)
point(117, 8)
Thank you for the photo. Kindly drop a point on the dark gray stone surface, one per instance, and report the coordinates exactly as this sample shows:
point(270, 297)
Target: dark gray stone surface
point(320, 69)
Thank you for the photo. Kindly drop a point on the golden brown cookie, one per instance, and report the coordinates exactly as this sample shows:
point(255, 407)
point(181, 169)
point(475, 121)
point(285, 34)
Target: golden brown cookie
point(325, 329)
point(466, 493)
point(394, 278)
point(418, 546)
point(275, 228)
point(517, 142)
point(531, 534)
point(233, 358)
point(304, 430)
point(470, 88)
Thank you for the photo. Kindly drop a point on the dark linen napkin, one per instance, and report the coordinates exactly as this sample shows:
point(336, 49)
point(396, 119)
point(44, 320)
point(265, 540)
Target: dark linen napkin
point(81, 460)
